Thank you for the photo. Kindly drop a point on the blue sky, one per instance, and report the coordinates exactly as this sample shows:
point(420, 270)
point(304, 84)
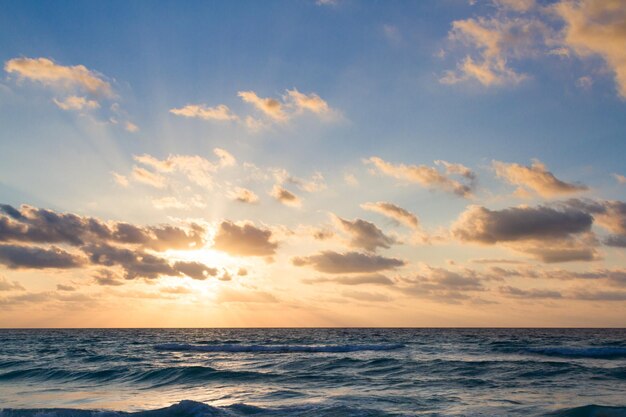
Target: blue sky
point(386, 80)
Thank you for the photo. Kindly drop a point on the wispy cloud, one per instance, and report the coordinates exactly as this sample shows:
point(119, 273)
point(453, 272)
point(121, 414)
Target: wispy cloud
point(429, 177)
point(220, 112)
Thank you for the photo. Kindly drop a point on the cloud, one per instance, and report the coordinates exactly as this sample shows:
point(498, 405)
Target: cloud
point(315, 184)
point(35, 225)
point(614, 277)
point(363, 234)
point(226, 159)
point(442, 284)
point(140, 264)
point(81, 89)
point(596, 28)
point(311, 102)
point(104, 243)
point(621, 179)
point(293, 103)
point(131, 127)
point(535, 178)
point(195, 270)
point(428, 177)
point(530, 294)
point(493, 41)
point(244, 240)
point(497, 261)
point(49, 73)
point(322, 234)
point(269, 106)
point(611, 215)
point(30, 257)
point(394, 212)
point(106, 277)
point(244, 195)
point(586, 295)
point(121, 180)
point(62, 287)
point(285, 196)
point(516, 5)
point(481, 225)
point(202, 111)
point(195, 168)
point(76, 103)
point(350, 262)
point(177, 290)
point(587, 29)
point(549, 234)
point(148, 177)
point(6, 285)
point(367, 279)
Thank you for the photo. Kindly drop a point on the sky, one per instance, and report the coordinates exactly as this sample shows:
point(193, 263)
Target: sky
point(310, 163)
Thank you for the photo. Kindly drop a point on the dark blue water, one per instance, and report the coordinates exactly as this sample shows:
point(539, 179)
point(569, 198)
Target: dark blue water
point(313, 372)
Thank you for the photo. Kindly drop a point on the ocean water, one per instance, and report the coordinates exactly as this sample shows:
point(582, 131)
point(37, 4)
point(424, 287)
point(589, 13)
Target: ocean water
point(313, 372)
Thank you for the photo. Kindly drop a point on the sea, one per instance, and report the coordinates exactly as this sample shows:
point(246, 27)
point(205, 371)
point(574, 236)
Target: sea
point(313, 372)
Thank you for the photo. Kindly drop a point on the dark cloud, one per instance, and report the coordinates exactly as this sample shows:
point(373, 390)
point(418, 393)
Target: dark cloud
point(364, 235)
point(479, 224)
point(600, 295)
point(531, 294)
point(35, 225)
point(618, 241)
point(195, 270)
point(349, 262)
point(244, 240)
point(551, 234)
point(135, 264)
point(562, 252)
point(611, 215)
point(108, 244)
point(17, 257)
point(62, 287)
point(373, 279)
point(108, 278)
point(138, 264)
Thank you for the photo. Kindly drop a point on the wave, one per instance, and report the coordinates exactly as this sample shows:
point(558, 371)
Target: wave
point(188, 408)
point(582, 352)
point(174, 347)
point(591, 411)
point(154, 377)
